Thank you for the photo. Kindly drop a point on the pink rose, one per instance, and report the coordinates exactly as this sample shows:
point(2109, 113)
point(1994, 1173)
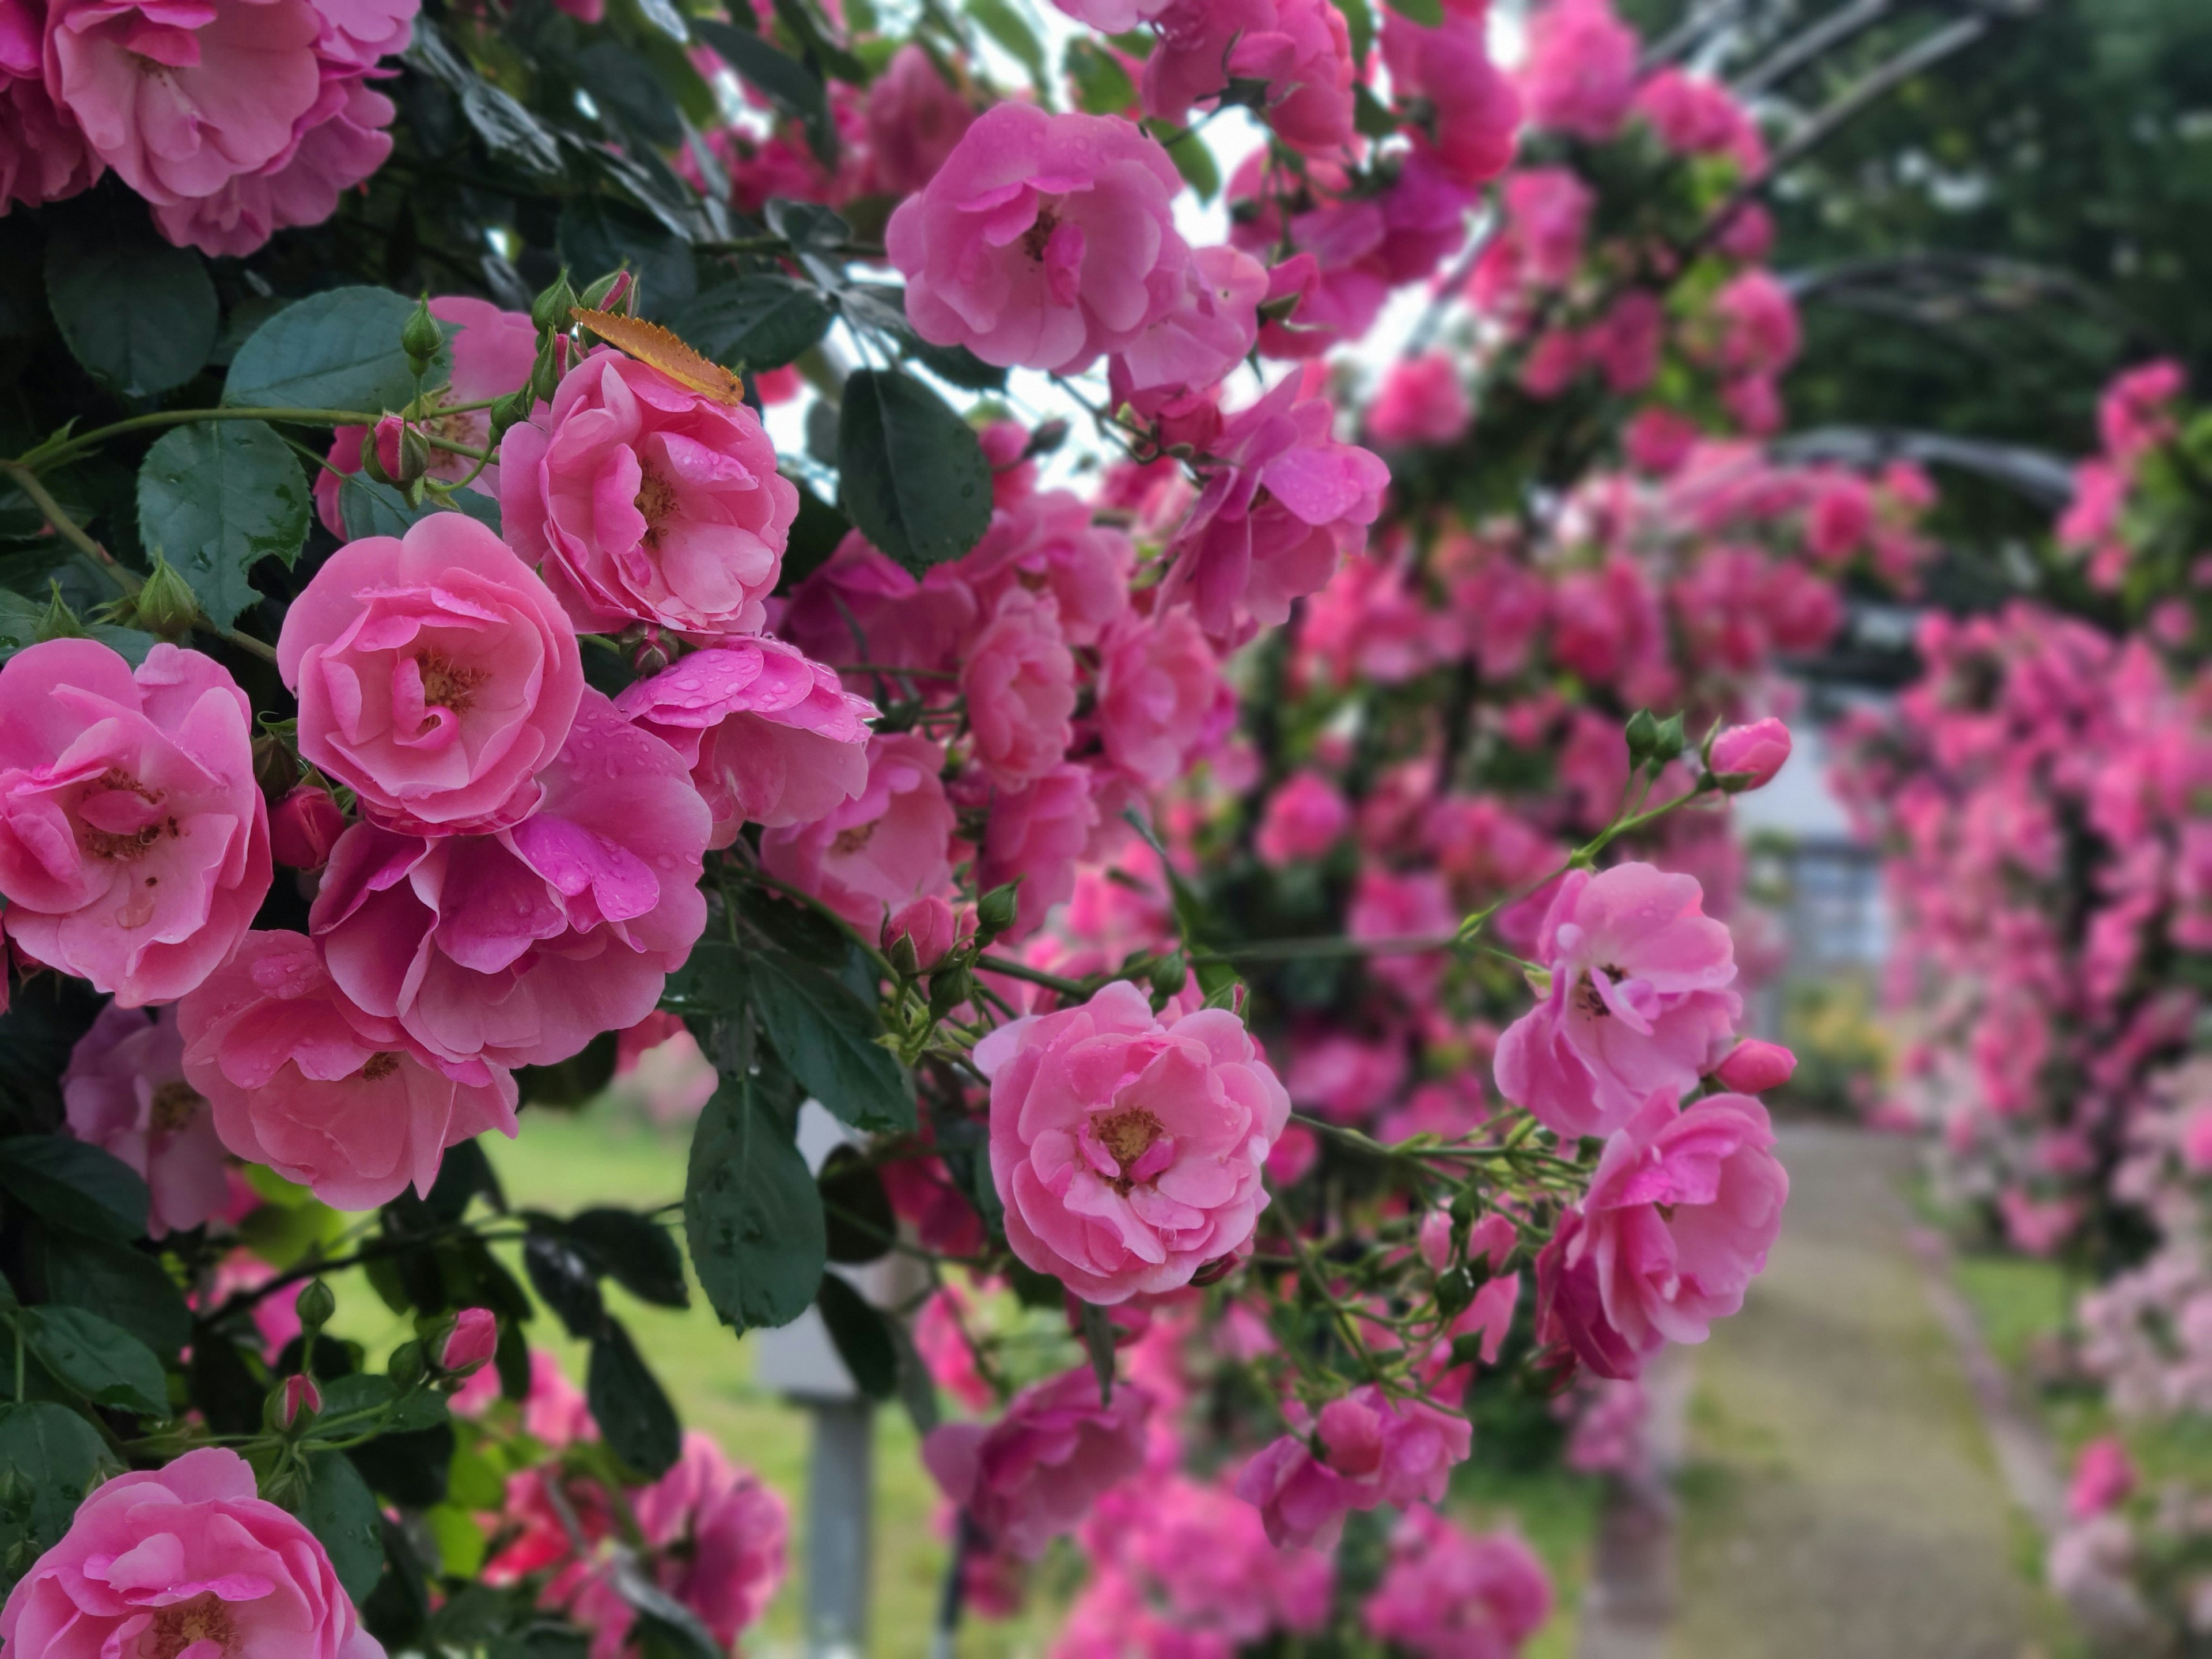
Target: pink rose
point(1420, 402)
point(1372, 1451)
point(181, 1559)
point(1411, 904)
point(1047, 541)
point(436, 676)
point(1037, 834)
point(43, 157)
point(929, 927)
point(1638, 999)
point(134, 842)
point(1580, 72)
point(1759, 320)
point(1342, 1077)
point(1477, 112)
point(1044, 241)
point(326, 1094)
point(521, 945)
point(1300, 49)
point(647, 501)
point(880, 850)
point(469, 1345)
point(2103, 1478)
point(305, 826)
point(1658, 441)
point(720, 1534)
point(125, 1091)
point(1748, 756)
point(770, 738)
point(1305, 817)
point(941, 1339)
point(1451, 1594)
point(1019, 678)
point(1161, 699)
point(860, 607)
point(1694, 116)
point(1753, 1067)
point(1168, 370)
point(1127, 1149)
point(1034, 1475)
point(914, 119)
point(1679, 1217)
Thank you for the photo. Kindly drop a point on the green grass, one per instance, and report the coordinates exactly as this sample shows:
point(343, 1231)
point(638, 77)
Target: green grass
point(2015, 1299)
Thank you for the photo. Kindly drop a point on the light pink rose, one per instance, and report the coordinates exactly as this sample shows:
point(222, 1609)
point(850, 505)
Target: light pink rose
point(1580, 72)
point(126, 1093)
point(184, 1559)
point(1749, 757)
point(1300, 49)
point(1679, 1217)
point(1044, 241)
point(914, 119)
point(521, 945)
point(1019, 678)
point(1345, 1077)
point(1161, 700)
point(1048, 543)
point(1451, 1594)
point(1420, 401)
point(1305, 817)
point(881, 849)
point(647, 501)
point(859, 607)
point(1034, 1475)
point(770, 738)
point(43, 157)
point(326, 1094)
point(436, 676)
point(1128, 1148)
point(134, 842)
point(1372, 1451)
point(1037, 834)
point(1638, 999)
point(1387, 905)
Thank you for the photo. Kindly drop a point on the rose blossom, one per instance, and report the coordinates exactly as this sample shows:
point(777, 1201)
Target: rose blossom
point(1305, 817)
point(1753, 1067)
point(43, 156)
point(521, 945)
point(1450, 1593)
point(2103, 1478)
point(770, 738)
point(1044, 241)
point(125, 1091)
point(1686, 1202)
point(436, 676)
point(1036, 836)
point(323, 1092)
point(883, 848)
point(1580, 72)
point(1374, 1450)
point(1019, 678)
point(1128, 1148)
point(469, 1344)
point(1300, 49)
point(1161, 698)
point(134, 842)
point(1048, 541)
point(647, 501)
point(860, 607)
point(1748, 756)
point(1420, 402)
point(914, 119)
point(1477, 112)
point(1639, 999)
point(184, 1559)
point(1034, 1475)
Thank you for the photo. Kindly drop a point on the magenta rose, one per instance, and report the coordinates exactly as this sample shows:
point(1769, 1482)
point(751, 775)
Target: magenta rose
point(436, 676)
point(1451, 1594)
point(1126, 1148)
point(521, 945)
point(184, 1560)
point(1033, 1475)
point(1019, 678)
point(646, 501)
point(1043, 241)
point(1638, 999)
point(883, 849)
point(1753, 1067)
point(1364, 1450)
point(125, 1091)
point(305, 1080)
point(134, 842)
point(1161, 701)
point(1686, 1202)
point(771, 738)
point(723, 1532)
point(860, 607)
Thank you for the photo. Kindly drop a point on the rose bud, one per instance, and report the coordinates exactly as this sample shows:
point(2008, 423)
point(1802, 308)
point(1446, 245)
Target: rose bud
point(305, 826)
point(928, 925)
point(469, 1345)
point(295, 1402)
point(1748, 756)
point(1436, 1241)
point(1753, 1067)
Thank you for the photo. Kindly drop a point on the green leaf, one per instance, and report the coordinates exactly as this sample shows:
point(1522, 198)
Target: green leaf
point(629, 1407)
point(1011, 30)
point(52, 1456)
point(624, 87)
point(1098, 1343)
point(755, 322)
point(750, 1213)
point(569, 1083)
point(711, 983)
point(798, 16)
point(912, 475)
point(862, 1342)
point(565, 1282)
point(339, 350)
point(1189, 151)
point(1102, 86)
point(94, 1357)
point(508, 131)
point(121, 1284)
point(642, 1257)
point(815, 534)
point(138, 313)
point(1369, 114)
point(337, 1507)
point(75, 1185)
point(598, 235)
point(856, 1207)
point(214, 498)
point(1428, 13)
point(794, 88)
point(827, 1035)
point(370, 508)
point(1360, 24)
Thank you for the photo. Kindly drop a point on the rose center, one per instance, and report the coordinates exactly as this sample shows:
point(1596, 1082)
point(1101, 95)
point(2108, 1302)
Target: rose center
point(1592, 999)
point(173, 1103)
point(1038, 237)
point(656, 500)
point(118, 843)
point(851, 840)
point(446, 684)
point(381, 1065)
point(1128, 1134)
point(205, 1618)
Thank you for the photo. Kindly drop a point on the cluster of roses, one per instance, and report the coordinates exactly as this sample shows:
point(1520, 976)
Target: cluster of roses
point(231, 118)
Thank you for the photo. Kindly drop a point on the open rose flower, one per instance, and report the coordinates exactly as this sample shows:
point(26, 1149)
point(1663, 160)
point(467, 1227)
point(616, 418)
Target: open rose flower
point(771, 738)
point(860, 607)
point(1034, 1475)
point(184, 1560)
point(43, 157)
point(647, 501)
point(521, 945)
point(1451, 1594)
point(125, 1091)
point(1161, 701)
point(878, 852)
point(1048, 541)
point(1128, 1148)
point(134, 842)
point(1685, 1204)
point(436, 676)
point(1638, 999)
point(1372, 1451)
point(1019, 678)
point(305, 1080)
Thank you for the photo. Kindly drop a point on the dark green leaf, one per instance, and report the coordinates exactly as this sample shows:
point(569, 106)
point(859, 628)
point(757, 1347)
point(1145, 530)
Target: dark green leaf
point(409, 1468)
point(961, 366)
point(917, 1387)
point(339, 350)
point(807, 28)
point(754, 322)
point(625, 87)
point(1098, 1343)
point(1102, 86)
point(569, 1083)
point(214, 498)
point(914, 476)
point(627, 1404)
point(855, 1206)
point(52, 1455)
point(565, 1282)
point(642, 1257)
point(370, 508)
point(815, 534)
point(597, 236)
point(96, 1359)
point(1360, 24)
point(781, 78)
point(44, 1018)
point(1428, 13)
point(338, 1509)
point(1369, 114)
point(74, 1185)
point(710, 984)
point(827, 1035)
point(511, 132)
point(138, 313)
point(863, 1343)
point(751, 1213)
point(124, 1284)
point(1009, 28)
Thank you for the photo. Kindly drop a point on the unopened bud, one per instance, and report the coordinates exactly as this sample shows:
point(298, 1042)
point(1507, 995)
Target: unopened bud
point(544, 376)
point(406, 1367)
point(421, 337)
point(611, 293)
point(1669, 741)
point(469, 1345)
point(996, 910)
point(948, 990)
point(653, 652)
point(414, 455)
point(372, 453)
point(551, 309)
point(1753, 1067)
point(275, 767)
point(1168, 976)
point(1748, 756)
point(1455, 1289)
point(304, 827)
point(1048, 437)
point(1435, 1240)
point(315, 1305)
point(509, 412)
point(60, 622)
point(924, 932)
point(292, 1404)
point(1643, 733)
point(165, 606)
